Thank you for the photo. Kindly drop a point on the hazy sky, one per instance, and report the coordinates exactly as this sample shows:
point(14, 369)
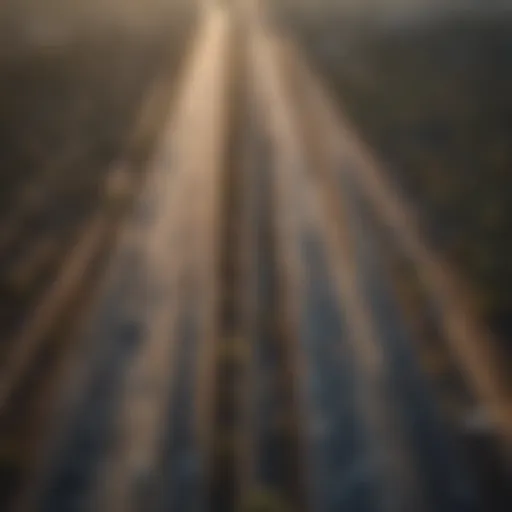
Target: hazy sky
point(48, 21)
point(397, 6)
point(43, 20)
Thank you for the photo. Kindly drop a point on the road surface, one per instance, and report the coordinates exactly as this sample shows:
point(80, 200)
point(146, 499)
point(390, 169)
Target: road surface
point(247, 341)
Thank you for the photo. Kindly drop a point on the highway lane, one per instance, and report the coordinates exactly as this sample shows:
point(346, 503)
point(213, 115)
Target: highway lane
point(272, 425)
point(380, 215)
point(430, 473)
point(58, 291)
point(332, 408)
point(336, 445)
point(470, 342)
point(178, 347)
point(140, 353)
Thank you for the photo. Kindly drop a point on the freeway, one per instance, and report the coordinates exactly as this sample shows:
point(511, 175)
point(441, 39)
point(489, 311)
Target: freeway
point(154, 315)
point(247, 343)
point(401, 458)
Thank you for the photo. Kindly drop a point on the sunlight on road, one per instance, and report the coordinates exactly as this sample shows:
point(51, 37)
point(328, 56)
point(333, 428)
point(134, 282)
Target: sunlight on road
point(220, 288)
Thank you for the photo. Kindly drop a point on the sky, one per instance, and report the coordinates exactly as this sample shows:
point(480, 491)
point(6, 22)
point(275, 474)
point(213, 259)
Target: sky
point(45, 21)
point(51, 21)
